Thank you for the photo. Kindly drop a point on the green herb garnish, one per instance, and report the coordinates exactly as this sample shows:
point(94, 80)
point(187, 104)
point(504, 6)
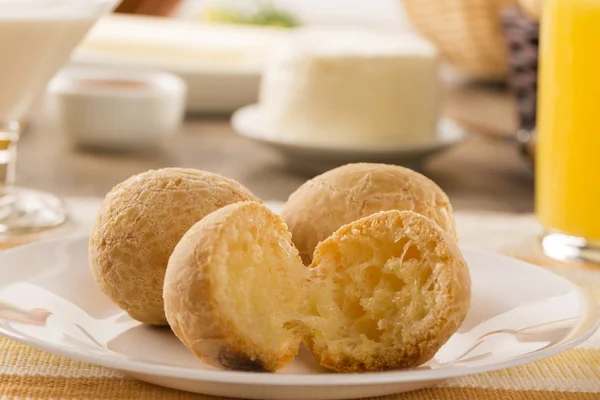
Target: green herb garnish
point(265, 14)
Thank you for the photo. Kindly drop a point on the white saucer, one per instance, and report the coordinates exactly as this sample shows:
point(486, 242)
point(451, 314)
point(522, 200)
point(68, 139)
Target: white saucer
point(520, 313)
point(316, 158)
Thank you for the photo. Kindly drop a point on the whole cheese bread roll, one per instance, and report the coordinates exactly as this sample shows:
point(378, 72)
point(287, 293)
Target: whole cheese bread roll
point(389, 290)
point(140, 222)
point(234, 288)
point(342, 195)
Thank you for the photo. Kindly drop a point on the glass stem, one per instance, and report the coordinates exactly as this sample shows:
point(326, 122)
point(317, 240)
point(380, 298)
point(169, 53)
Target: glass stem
point(9, 137)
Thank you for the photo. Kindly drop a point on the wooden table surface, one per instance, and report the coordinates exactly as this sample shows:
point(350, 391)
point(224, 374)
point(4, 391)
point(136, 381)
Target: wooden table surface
point(485, 172)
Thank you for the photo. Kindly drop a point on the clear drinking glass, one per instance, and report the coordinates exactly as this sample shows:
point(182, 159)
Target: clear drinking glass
point(36, 39)
point(568, 141)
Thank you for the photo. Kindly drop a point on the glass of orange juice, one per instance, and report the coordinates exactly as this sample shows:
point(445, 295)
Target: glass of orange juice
point(568, 129)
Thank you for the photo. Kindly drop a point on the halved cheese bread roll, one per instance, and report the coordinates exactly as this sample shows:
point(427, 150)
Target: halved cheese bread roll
point(383, 292)
point(233, 284)
point(388, 291)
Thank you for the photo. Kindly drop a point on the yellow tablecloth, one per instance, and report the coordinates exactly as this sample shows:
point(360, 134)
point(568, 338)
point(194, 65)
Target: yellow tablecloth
point(574, 374)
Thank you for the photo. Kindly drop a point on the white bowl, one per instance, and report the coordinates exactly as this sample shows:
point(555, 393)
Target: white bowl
point(118, 109)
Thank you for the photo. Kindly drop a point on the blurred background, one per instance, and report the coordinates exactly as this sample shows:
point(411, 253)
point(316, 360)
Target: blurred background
point(219, 51)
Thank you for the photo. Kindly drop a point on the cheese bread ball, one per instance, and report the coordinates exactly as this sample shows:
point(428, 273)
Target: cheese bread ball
point(391, 289)
point(140, 222)
point(234, 287)
point(323, 204)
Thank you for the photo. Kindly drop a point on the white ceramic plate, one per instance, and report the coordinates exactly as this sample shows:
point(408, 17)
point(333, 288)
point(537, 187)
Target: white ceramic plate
point(520, 313)
point(316, 158)
point(221, 64)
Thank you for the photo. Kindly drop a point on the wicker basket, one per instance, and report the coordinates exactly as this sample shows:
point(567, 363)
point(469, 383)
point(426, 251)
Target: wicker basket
point(468, 33)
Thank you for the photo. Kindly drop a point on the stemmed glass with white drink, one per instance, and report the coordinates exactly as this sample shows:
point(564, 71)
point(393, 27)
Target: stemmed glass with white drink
point(36, 39)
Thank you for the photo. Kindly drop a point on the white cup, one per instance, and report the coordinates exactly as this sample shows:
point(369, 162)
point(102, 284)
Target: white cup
point(117, 109)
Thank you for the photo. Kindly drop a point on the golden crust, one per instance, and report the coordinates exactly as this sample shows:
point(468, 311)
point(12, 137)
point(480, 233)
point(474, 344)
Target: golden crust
point(199, 290)
point(140, 222)
point(323, 204)
point(436, 268)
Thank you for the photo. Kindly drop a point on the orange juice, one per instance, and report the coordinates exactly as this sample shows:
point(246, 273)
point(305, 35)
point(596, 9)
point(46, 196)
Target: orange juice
point(568, 126)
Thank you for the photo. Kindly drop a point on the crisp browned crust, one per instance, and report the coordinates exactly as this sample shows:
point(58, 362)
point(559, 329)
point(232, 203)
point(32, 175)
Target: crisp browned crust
point(200, 289)
point(337, 197)
point(140, 222)
point(405, 285)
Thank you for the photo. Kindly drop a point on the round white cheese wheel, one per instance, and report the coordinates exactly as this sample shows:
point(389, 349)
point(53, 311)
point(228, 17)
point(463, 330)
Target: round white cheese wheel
point(351, 86)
